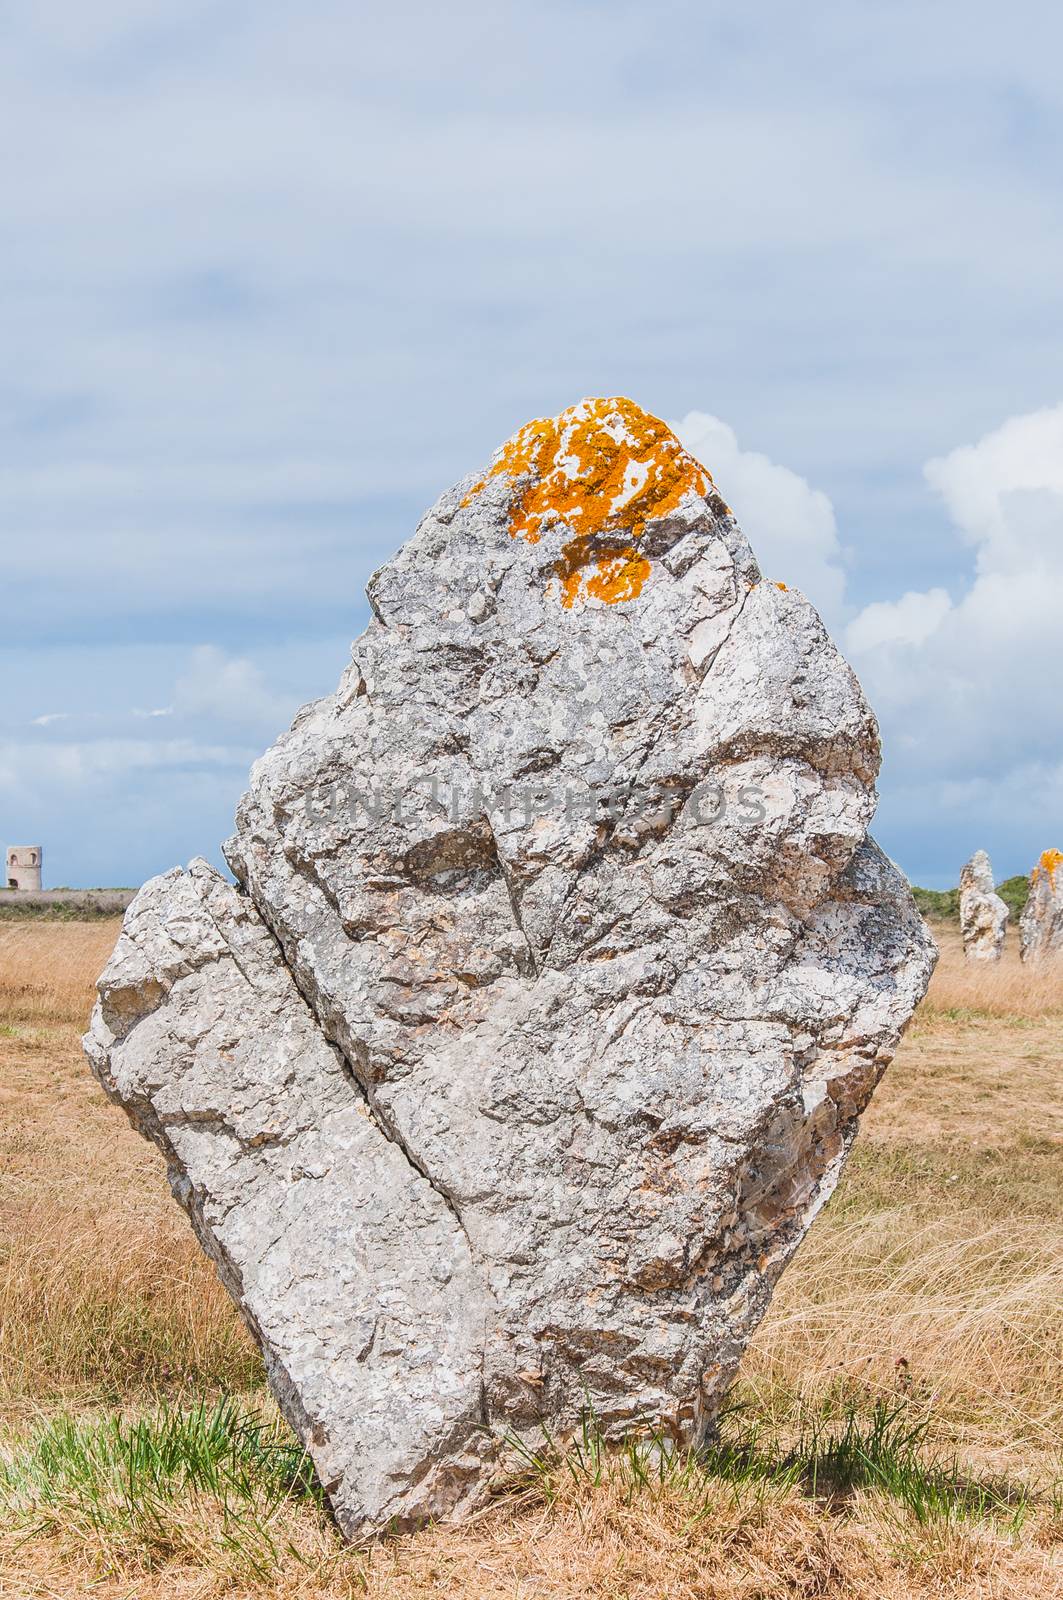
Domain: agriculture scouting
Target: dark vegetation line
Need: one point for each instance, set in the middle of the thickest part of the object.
(944, 904)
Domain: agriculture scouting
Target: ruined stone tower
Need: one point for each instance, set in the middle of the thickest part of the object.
(23, 866)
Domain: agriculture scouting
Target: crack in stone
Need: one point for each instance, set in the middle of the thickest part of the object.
(375, 1111)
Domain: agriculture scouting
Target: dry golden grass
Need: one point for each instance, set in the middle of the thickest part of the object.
(943, 1249)
(103, 1292)
(48, 969)
(591, 1544)
(936, 1270)
(1006, 989)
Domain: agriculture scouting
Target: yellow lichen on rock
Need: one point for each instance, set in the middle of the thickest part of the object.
(602, 467)
(1050, 860)
(616, 575)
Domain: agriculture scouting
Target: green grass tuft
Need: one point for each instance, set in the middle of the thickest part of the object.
(884, 1448)
(126, 1484)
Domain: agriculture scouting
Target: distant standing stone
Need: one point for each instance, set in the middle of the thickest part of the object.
(1041, 924)
(983, 914)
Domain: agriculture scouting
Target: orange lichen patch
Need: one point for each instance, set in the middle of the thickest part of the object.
(1050, 860)
(783, 587)
(619, 574)
(603, 467)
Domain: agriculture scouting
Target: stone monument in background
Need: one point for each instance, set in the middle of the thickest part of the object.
(983, 914)
(1041, 923)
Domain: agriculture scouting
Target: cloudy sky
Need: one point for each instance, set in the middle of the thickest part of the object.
(272, 276)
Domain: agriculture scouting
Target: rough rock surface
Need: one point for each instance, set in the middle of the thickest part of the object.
(352, 1271)
(561, 968)
(983, 914)
(1041, 923)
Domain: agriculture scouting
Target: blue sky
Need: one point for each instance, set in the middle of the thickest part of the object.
(273, 277)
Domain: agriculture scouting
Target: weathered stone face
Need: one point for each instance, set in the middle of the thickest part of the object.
(983, 914)
(1041, 923)
(565, 903)
(352, 1271)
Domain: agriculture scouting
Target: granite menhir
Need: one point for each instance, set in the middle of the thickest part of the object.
(558, 970)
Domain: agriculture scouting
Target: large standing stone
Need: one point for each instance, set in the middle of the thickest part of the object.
(1041, 923)
(983, 914)
(580, 968)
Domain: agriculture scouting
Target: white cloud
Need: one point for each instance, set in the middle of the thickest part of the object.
(118, 792)
(909, 620)
(336, 258)
(966, 684)
(82, 762)
(968, 689)
(229, 689)
(1004, 492)
(790, 525)
(49, 717)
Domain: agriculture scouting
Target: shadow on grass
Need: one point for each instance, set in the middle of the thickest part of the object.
(885, 1448)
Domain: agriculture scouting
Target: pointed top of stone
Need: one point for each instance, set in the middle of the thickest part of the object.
(1041, 925)
(983, 914)
(595, 478)
(978, 872)
(1048, 863)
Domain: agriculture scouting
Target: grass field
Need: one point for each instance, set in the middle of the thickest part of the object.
(897, 1430)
